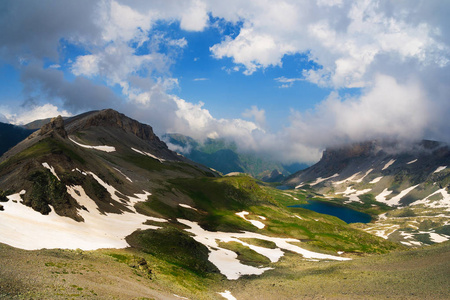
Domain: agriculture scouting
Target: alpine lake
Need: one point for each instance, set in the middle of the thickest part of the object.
(348, 215)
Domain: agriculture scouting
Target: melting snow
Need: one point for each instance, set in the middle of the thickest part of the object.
(367, 173)
(353, 194)
(101, 148)
(388, 164)
(291, 196)
(394, 201)
(376, 179)
(126, 177)
(28, 229)
(444, 202)
(161, 160)
(437, 238)
(441, 168)
(384, 231)
(411, 162)
(226, 260)
(382, 196)
(320, 179)
(46, 165)
(186, 206)
(258, 224)
(351, 178)
(227, 295)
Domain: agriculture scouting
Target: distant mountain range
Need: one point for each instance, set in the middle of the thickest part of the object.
(414, 178)
(176, 228)
(224, 156)
(10, 135)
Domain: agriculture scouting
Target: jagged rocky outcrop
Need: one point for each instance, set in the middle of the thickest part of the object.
(94, 151)
(56, 125)
(383, 169)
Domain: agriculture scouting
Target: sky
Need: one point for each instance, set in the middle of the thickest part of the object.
(282, 78)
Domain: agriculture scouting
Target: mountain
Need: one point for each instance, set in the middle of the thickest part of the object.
(103, 180)
(10, 135)
(37, 124)
(225, 157)
(410, 183)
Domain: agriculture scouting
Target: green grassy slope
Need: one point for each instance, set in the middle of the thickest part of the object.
(131, 274)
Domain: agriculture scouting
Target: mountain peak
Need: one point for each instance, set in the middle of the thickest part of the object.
(55, 125)
(113, 119)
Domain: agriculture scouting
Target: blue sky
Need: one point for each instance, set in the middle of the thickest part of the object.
(282, 78)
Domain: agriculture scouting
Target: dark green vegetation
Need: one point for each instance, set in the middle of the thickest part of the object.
(166, 261)
(219, 199)
(11, 135)
(46, 189)
(175, 247)
(225, 157)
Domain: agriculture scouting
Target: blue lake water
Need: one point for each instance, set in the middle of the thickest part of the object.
(346, 214)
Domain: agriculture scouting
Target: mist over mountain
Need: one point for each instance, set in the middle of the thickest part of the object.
(411, 178)
(225, 157)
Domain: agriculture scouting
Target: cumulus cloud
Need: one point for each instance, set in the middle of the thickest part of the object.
(396, 52)
(259, 115)
(77, 95)
(28, 114)
(346, 39)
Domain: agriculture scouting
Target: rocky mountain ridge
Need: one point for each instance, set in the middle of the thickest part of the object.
(412, 184)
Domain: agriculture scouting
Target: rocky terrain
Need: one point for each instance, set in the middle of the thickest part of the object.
(131, 212)
(407, 185)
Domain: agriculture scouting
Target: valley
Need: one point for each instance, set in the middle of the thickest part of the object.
(97, 201)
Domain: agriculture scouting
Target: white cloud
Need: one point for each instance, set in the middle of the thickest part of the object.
(195, 18)
(347, 40)
(27, 115)
(287, 82)
(397, 51)
(388, 109)
(259, 115)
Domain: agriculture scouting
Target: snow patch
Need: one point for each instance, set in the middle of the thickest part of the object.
(351, 178)
(320, 179)
(291, 196)
(383, 232)
(47, 166)
(227, 295)
(161, 160)
(361, 179)
(187, 206)
(226, 260)
(411, 162)
(439, 169)
(25, 228)
(258, 224)
(101, 148)
(442, 203)
(382, 196)
(389, 163)
(299, 185)
(394, 201)
(438, 238)
(353, 194)
(126, 177)
(376, 179)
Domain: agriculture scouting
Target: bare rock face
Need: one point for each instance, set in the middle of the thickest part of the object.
(112, 118)
(363, 149)
(55, 125)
